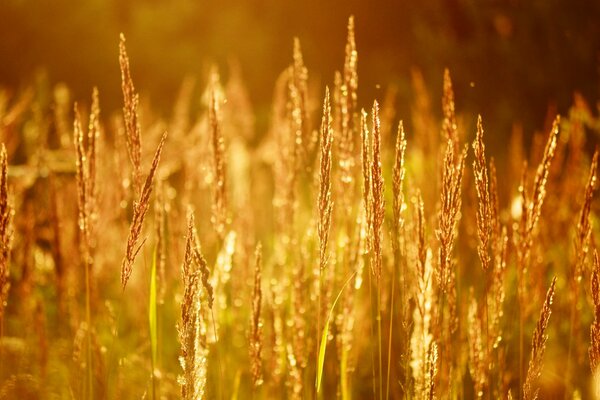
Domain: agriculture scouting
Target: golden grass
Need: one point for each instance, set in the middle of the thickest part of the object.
(419, 275)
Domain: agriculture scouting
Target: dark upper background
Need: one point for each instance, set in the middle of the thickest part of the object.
(510, 59)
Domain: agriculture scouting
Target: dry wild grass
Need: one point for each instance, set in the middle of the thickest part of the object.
(388, 268)
(5, 233)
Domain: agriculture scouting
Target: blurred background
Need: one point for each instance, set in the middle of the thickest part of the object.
(510, 59)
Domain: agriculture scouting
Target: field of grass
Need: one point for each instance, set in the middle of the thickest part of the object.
(334, 256)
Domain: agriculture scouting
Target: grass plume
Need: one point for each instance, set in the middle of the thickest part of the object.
(140, 208)
(538, 343)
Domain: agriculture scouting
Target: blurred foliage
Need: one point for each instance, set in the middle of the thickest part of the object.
(510, 59)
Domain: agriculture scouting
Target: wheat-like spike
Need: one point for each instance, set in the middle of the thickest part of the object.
(584, 227)
(377, 199)
(92, 154)
(192, 328)
(420, 231)
(531, 208)
(522, 239)
(205, 273)
(449, 211)
(130, 117)
(219, 216)
(581, 247)
(432, 369)
(538, 343)
(345, 100)
(190, 243)
(484, 217)
(366, 171)
(200, 261)
(83, 181)
(85, 158)
(541, 176)
(495, 307)
(324, 208)
(256, 321)
(594, 350)
(284, 164)
(449, 126)
(399, 206)
(140, 209)
(350, 67)
(298, 92)
(325, 202)
(6, 215)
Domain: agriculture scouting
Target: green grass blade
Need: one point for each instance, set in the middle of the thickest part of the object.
(323, 345)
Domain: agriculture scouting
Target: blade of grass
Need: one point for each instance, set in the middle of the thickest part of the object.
(323, 344)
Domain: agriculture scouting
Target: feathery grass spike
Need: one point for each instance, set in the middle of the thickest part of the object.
(6, 214)
(325, 202)
(140, 208)
(130, 116)
(377, 198)
(594, 349)
(538, 343)
(256, 340)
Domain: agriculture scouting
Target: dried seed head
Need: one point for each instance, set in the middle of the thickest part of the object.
(377, 199)
(6, 215)
(594, 350)
(366, 171)
(193, 326)
(449, 212)
(449, 126)
(140, 208)
(220, 206)
(538, 343)
(131, 118)
(256, 322)
(584, 227)
(325, 202)
(484, 217)
(399, 171)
